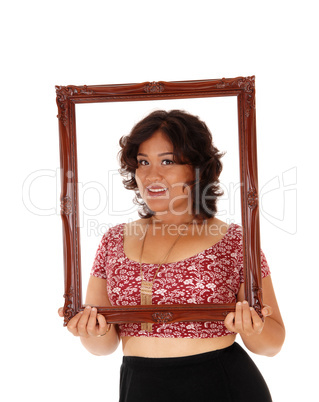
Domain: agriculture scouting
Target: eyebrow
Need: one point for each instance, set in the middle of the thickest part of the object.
(162, 154)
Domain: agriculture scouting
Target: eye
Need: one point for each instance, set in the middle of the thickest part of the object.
(167, 162)
(142, 162)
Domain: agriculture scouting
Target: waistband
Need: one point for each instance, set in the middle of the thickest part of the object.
(148, 362)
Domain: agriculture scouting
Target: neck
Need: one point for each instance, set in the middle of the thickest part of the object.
(167, 219)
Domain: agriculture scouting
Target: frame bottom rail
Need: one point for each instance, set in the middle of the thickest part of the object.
(160, 314)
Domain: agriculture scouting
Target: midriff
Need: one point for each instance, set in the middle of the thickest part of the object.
(172, 347)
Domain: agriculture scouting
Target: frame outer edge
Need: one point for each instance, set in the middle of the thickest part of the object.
(67, 97)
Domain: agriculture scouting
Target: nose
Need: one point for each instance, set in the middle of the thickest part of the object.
(153, 174)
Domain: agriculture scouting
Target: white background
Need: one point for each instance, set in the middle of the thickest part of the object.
(44, 44)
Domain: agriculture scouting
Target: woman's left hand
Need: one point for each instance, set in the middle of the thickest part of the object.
(245, 320)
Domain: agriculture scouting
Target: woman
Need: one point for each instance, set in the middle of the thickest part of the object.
(178, 252)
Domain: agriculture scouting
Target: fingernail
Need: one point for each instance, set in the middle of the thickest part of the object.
(239, 304)
(93, 309)
(245, 302)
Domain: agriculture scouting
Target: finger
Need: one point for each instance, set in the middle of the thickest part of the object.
(73, 324)
(229, 322)
(266, 311)
(104, 327)
(258, 323)
(247, 319)
(82, 325)
(92, 323)
(239, 318)
(60, 311)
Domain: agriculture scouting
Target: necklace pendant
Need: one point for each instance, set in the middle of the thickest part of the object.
(146, 299)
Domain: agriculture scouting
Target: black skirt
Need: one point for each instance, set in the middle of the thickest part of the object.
(225, 375)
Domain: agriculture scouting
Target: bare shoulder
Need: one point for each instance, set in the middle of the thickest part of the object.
(217, 227)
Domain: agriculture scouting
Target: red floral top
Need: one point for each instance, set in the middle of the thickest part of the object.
(211, 276)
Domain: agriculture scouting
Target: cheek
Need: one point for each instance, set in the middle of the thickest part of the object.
(189, 180)
(138, 180)
(189, 175)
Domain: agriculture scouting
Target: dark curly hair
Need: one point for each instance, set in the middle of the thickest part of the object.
(193, 145)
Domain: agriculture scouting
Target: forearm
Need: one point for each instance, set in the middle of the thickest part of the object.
(103, 345)
(269, 341)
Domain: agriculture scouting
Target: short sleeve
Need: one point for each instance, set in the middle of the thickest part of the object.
(265, 271)
(100, 261)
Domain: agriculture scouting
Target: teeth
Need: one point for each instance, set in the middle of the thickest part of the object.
(157, 190)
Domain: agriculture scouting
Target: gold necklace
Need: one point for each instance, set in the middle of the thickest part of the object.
(147, 286)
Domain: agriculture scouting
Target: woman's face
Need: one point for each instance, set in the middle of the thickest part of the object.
(162, 183)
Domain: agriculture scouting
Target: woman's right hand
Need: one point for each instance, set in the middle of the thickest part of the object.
(87, 323)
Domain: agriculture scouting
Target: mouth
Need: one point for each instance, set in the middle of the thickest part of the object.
(156, 191)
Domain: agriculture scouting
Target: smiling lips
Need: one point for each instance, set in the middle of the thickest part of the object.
(156, 191)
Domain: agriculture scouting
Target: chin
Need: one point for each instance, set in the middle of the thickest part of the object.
(156, 209)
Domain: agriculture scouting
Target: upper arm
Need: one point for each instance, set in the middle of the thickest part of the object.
(96, 294)
(269, 298)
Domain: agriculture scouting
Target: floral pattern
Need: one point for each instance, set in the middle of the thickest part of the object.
(211, 276)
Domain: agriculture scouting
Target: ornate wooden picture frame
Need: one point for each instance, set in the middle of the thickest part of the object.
(67, 97)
